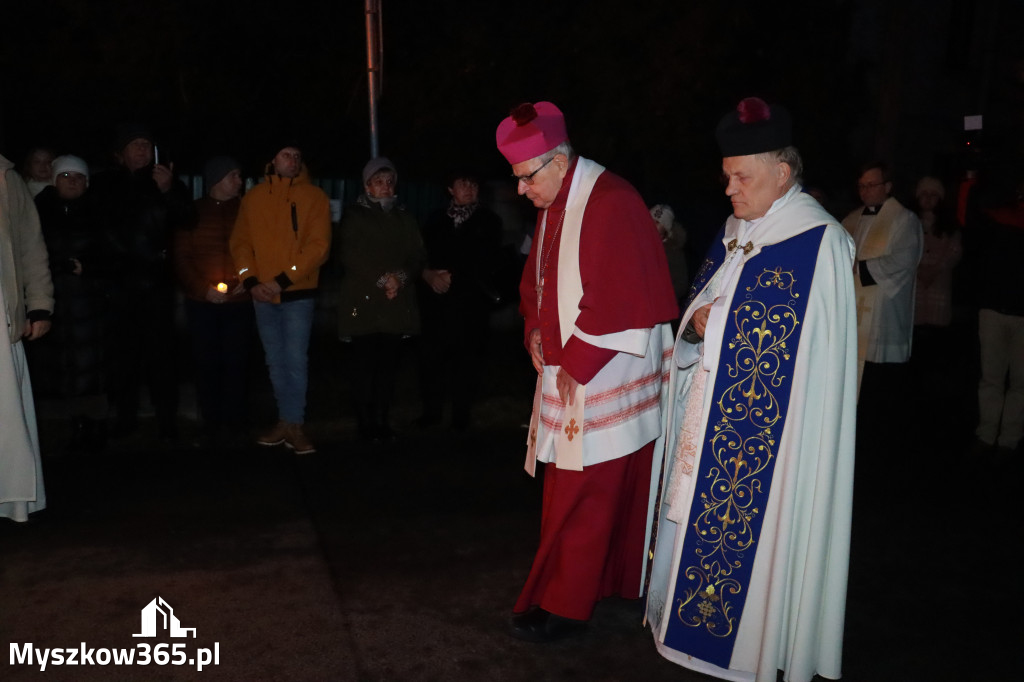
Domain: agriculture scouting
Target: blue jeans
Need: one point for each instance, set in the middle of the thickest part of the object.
(284, 330)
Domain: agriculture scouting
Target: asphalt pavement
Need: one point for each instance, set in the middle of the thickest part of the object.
(401, 561)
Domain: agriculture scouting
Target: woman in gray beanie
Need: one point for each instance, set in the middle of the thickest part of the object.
(382, 256)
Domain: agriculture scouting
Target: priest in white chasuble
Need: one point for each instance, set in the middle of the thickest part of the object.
(751, 543)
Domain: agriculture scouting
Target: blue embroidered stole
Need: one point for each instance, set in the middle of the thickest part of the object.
(745, 425)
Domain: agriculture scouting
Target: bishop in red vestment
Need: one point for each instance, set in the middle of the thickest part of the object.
(597, 300)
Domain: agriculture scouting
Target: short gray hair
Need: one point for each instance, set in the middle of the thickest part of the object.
(788, 155)
(562, 148)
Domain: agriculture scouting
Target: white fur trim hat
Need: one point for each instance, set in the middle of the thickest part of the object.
(664, 216)
(69, 164)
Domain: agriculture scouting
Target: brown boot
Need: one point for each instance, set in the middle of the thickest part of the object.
(275, 436)
(297, 440)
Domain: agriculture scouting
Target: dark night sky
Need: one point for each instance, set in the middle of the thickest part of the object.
(642, 84)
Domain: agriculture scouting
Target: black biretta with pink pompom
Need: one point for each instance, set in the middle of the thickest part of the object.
(754, 127)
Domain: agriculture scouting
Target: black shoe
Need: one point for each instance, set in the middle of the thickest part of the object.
(538, 625)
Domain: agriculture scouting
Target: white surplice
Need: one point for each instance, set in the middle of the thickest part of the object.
(890, 243)
(621, 406)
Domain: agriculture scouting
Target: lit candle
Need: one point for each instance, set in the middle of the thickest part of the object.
(222, 288)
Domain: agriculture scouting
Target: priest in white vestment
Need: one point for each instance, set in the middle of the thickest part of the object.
(890, 242)
(751, 546)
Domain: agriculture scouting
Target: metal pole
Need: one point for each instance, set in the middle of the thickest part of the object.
(374, 51)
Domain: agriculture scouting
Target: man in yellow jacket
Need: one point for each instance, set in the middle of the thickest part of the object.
(281, 238)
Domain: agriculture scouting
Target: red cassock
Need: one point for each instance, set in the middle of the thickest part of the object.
(593, 521)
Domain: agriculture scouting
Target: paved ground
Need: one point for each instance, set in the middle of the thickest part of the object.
(402, 562)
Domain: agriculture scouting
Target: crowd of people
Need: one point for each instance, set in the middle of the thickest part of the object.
(98, 262)
(698, 431)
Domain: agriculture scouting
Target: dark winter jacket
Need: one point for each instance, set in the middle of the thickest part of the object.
(69, 361)
(141, 221)
(374, 244)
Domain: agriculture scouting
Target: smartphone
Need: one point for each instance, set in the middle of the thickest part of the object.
(156, 155)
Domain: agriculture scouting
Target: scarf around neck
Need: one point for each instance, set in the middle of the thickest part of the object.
(385, 204)
(460, 213)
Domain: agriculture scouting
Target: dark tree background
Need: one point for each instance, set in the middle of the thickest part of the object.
(642, 84)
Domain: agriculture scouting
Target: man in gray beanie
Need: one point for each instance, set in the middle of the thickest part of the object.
(218, 309)
(216, 169)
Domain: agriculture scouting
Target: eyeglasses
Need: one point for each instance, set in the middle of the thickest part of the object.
(869, 185)
(71, 176)
(528, 178)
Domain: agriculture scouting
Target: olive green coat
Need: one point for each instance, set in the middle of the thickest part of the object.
(375, 243)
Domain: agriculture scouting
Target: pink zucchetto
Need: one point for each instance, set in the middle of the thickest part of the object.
(530, 131)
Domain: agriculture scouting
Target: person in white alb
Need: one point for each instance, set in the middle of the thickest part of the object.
(889, 243)
(26, 302)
